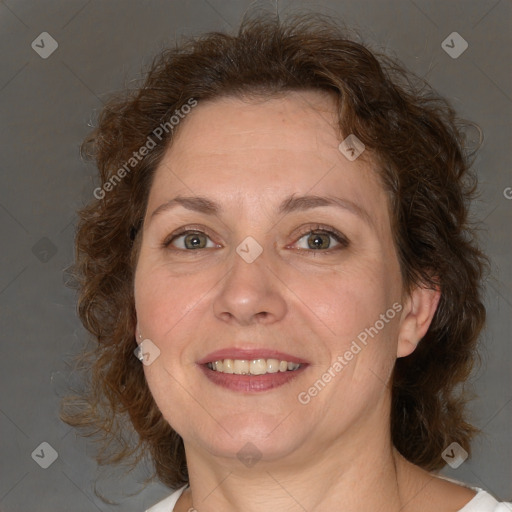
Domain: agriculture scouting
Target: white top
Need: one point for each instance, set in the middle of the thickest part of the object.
(482, 502)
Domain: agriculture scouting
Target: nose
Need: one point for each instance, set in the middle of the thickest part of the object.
(250, 293)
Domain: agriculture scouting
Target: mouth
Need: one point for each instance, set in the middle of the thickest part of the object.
(251, 370)
(253, 367)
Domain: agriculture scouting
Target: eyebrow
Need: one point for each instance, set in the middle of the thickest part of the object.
(291, 204)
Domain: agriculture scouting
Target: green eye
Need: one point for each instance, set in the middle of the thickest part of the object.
(191, 240)
(322, 240)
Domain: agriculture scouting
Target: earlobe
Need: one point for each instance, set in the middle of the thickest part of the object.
(417, 316)
(138, 335)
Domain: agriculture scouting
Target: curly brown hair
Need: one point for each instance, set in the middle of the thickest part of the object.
(418, 144)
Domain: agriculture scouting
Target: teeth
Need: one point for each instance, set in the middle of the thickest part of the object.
(240, 366)
(258, 367)
(273, 365)
(253, 367)
(228, 366)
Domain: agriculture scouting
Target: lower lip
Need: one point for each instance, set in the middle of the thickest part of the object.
(251, 383)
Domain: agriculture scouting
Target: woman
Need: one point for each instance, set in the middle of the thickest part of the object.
(281, 234)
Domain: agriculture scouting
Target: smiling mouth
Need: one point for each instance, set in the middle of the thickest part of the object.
(253, 366)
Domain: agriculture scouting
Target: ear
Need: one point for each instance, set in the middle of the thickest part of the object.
(419, 309)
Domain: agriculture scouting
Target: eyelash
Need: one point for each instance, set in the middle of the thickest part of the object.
(318, 229)
(324, 230)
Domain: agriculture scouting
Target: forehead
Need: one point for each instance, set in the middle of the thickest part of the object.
(298, 116)
(298, 122)
(247, 150)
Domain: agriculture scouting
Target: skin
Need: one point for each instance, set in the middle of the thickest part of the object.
(248, 156)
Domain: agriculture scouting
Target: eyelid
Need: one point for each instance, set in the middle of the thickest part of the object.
(342, 240)
(184, 231)
(329, 230)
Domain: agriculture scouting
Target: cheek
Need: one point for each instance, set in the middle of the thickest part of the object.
(163, 299)
(347, 300)
(167, 307)
(357, 307)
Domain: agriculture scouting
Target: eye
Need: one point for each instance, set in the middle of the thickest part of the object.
(321, 239)
(190, 240)
(318, 239)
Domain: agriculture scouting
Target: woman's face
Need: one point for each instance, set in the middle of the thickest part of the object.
(268, 273)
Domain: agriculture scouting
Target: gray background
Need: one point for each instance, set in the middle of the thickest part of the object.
(46, 106)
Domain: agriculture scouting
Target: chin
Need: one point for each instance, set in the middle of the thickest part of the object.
(250, 436)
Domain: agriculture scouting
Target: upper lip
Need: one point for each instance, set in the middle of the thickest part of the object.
(249, 354)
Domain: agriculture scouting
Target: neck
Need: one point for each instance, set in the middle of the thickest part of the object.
(362, 474)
